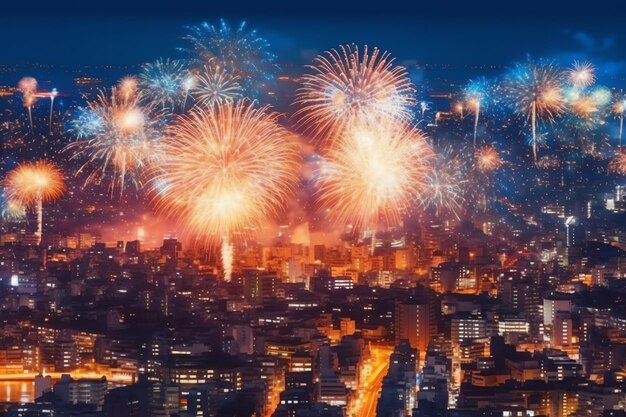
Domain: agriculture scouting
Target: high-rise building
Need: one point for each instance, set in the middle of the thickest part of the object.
(574, 232)
(413, 323)
(562, 329)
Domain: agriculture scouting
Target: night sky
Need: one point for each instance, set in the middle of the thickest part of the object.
(454, 32)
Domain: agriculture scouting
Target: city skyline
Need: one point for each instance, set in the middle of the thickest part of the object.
(312, 210)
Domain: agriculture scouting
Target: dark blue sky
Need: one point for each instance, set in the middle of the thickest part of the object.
(455, 32)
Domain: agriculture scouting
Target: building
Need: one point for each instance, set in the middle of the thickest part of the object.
(413, 323)
(467, 327)
(81, 391)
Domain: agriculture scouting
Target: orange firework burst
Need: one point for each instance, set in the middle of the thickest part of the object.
(488, 159)
(226, 168)
(347, 87)
(375, 173)
(32, 184)
(584, 106)
(618, 163)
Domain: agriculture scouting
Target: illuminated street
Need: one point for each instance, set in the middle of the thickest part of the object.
(370, 386)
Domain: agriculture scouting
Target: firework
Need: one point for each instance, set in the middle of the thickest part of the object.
(488, 159)
(618, 108)
(215, 85)
(602, 96)
(475, 94)
(53, 94)
(226, 168)
(163, 82)
(445, 184)
(423, 108)
(582, 74)
(188, 83)
(584, 106)
(374, 174)
(127, 88)
(33, 184)
(11, 209)
(618, 163)
(534, 90)
(348, 87)
(239, 51)
(117, 139)
(28, 87)
(459, 108)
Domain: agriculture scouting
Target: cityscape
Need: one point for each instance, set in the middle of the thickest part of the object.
(248, 212)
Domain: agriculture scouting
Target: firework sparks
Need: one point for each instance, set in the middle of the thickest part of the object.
(226, 168)
(128, 88)
(618, 163)
(488, 159)
(239, 51)
(374, 173)
(445, 185)
(582, 74)
(214, 85)
(33, 184)
(163, 82)
(117, 137)
(348, 87)
(11, 209)
(584, 106)
(28, 87)
(534, 90)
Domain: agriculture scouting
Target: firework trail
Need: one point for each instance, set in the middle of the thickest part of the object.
(28, 87)
(53, 94)
(374, 174)
(214, 85)
(618, 109)
(117, 138)
(535, 91)
(348, 87)
(423, 108)
(241, 52)
(475, 94)
(32, 184)
(225, 168)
